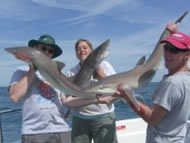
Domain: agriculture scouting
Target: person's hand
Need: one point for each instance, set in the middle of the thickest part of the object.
(99, 70)
(103, 99)
(172, 27)
(120, 91)
(22, 57)
(99, 73)
(32, 68)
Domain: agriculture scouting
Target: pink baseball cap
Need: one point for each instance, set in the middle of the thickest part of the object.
(179, 40)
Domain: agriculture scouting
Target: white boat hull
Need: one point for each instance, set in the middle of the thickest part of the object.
(131, 130)
(134, 131)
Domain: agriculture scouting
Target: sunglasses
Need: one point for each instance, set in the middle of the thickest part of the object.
(173, 49)
(49, 50)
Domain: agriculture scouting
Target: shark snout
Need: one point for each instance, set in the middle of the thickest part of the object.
(10, 50)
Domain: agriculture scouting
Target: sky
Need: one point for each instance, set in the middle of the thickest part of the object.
(133, 27)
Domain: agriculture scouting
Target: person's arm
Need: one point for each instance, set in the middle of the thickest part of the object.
(151, 115)
(105, 69)
(74, 102)
(156, 113)
(99, 73)
(18, 90)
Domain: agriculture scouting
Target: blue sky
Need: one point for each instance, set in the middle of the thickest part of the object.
(133, 26)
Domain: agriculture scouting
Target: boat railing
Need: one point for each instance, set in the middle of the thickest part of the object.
(2, 112)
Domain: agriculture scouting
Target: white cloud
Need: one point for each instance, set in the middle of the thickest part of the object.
(139, 12)
(98, 6)
(141, 43)
(21, 10)
(87, 8)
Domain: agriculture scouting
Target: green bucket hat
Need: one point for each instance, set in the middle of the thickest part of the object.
(47, 40)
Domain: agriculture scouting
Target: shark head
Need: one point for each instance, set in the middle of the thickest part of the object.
(23, 53)
(100, 53)
(103, 51)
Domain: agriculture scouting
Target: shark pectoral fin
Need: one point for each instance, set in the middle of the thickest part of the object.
(141, 61)
(146, 77)
(131, 96)
(60, 65)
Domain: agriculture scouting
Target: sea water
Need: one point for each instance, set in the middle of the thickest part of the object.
(11, 122)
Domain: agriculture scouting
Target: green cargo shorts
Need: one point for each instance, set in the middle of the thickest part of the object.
(101, 129)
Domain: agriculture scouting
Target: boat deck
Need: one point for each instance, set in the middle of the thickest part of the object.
(130, 130)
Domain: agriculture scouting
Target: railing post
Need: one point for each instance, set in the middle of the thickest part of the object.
(4, 111)
(1, 131)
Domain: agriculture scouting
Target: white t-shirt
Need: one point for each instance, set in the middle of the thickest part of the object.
(93, 110)
(173, 94)
(42, 109)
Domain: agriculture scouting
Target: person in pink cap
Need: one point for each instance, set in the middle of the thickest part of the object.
(171, 100)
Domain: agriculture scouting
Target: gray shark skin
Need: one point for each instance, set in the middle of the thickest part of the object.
(135, 78)
(49, 69)
(92, 62)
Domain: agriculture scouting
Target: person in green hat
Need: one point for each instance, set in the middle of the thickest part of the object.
(42, 108)
(46, 44)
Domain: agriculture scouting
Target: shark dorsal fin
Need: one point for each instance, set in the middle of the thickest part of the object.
(146, 77)
(141, 61)
(60, 65)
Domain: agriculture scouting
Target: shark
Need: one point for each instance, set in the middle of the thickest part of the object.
(135, 78)
(51, 70)
(81, 79)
